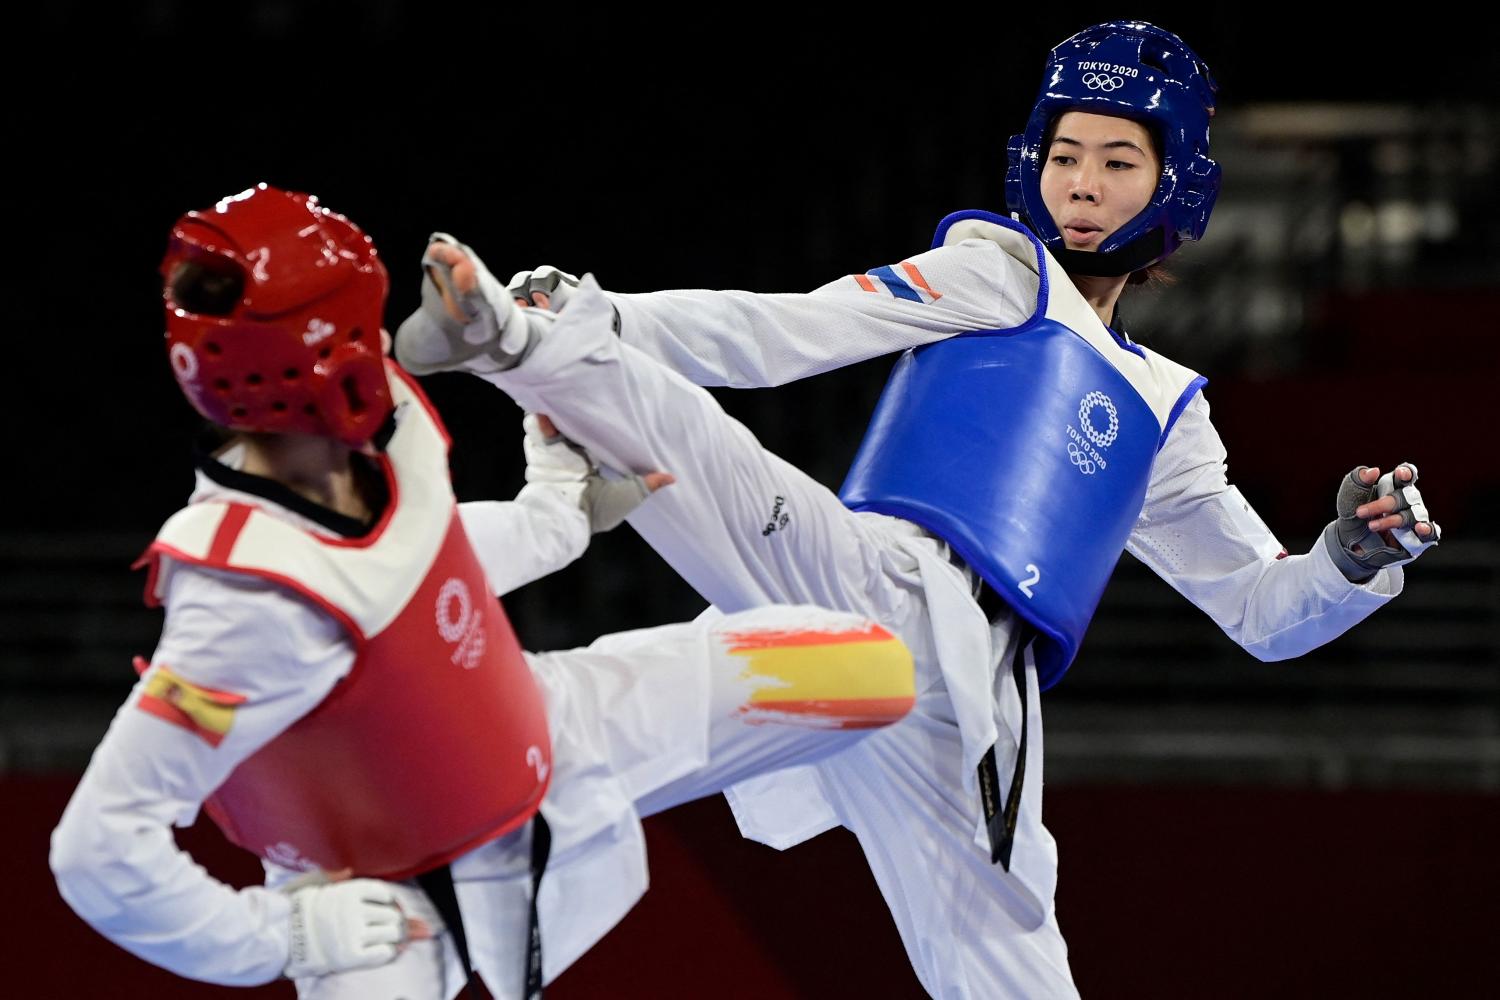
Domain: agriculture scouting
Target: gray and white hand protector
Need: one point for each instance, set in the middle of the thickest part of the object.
(560, 462)
(557, 285)
(1359, 552)
(494, 336)
(339, 926)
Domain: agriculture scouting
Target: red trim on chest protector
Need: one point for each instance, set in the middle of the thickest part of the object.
(229, 533)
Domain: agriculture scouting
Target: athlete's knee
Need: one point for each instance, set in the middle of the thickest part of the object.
(814, 668)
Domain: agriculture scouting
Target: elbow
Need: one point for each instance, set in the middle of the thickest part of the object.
(80, 861)
(69, 859)
(64, 859)
(69, 854)
(1267, 647)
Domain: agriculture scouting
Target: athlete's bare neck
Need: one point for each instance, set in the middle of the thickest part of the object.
(316, 468)
(1101, 293)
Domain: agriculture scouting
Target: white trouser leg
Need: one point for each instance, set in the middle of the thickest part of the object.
(971, 930)
(742, 526)
(674, 707)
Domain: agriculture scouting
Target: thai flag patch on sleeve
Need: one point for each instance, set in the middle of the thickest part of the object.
(903, 281)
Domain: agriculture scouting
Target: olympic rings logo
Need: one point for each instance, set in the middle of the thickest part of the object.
(1103, 81)
(184, 362)
(1086, 407)
(454, 591)
(1078, 457)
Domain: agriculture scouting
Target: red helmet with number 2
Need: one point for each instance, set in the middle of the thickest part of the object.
(298, 348)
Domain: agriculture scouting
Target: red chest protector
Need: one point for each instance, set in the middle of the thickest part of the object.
(436, 741)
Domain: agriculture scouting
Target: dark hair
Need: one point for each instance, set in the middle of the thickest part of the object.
(1158, 275)
(206, 289)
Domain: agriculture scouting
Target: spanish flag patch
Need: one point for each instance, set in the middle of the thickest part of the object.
(202, 711)
(857, 678)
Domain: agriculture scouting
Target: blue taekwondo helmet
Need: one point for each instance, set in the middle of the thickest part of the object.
(1129, 69)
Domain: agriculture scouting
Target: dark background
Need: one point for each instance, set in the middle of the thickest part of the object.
(774, 150)
(771, 152)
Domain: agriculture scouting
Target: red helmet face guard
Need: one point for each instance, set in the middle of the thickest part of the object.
(299, 350)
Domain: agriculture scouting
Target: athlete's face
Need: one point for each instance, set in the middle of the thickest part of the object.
(1100, 173)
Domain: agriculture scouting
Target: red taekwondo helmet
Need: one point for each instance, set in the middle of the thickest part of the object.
(292, 341)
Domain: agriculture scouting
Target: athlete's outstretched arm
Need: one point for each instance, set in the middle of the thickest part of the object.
(748, 339)
(1199, 534)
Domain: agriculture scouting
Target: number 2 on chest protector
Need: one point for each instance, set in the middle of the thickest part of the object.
(1036, 576)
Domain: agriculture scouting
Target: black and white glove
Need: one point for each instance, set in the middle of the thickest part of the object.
(494, 335)
(556, 461)
(354, 924)
(557, 287)
(549, 288)
(1359, 552)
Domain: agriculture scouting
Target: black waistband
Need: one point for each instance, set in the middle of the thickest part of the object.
(438, 884)
(1002, 812)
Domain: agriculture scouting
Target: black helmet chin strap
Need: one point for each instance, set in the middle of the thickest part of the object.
(1142, 253)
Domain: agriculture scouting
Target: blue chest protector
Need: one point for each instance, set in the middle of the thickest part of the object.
(1028, 451)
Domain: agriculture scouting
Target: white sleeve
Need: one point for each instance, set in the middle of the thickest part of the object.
(1199, 534)
(745, 339)
(518, 541)
(225, 638)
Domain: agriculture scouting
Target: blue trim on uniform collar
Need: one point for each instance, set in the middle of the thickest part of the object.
(1127, 343)
(1044, 287)
(1193, 388)
(951, 218)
